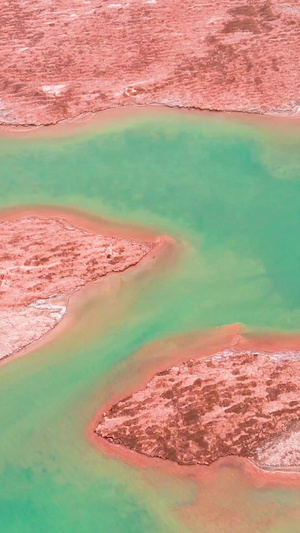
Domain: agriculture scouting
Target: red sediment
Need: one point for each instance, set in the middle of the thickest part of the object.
(66, 59)
(44, 260)
(235, 395)
(99, 121)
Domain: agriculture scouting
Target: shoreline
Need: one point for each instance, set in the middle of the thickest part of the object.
(164, 246)
(100, 120)
(176, 351)
(81, 219)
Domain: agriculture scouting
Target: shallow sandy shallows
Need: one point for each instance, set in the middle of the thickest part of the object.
(236, 399)
(44, 260)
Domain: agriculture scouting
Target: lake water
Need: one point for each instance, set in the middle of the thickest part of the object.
(229, 193)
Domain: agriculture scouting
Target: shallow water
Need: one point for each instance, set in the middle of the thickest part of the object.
(230, 194)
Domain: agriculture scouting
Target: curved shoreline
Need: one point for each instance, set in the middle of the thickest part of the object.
(161, 247)
(81, 219)
(172, 350)
(101, 120)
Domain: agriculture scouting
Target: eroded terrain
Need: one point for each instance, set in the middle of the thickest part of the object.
(44, 260)
(60, 59)
(235, 402)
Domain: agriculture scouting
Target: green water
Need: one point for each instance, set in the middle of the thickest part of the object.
(230, 193)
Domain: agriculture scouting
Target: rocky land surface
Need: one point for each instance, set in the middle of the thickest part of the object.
(43, 261)
(62, 58)
(235, 402)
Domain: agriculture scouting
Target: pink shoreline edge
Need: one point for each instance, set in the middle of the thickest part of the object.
(163, 245)
(100, 120)
(186, 349)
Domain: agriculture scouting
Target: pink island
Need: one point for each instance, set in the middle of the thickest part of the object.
(226, 395)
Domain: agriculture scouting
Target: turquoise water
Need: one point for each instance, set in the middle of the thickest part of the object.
(230, 194)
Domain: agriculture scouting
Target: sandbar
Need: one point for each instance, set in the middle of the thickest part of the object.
(266, 450)
(50, 255)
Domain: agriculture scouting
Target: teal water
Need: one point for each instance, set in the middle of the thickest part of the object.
(230, 193)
